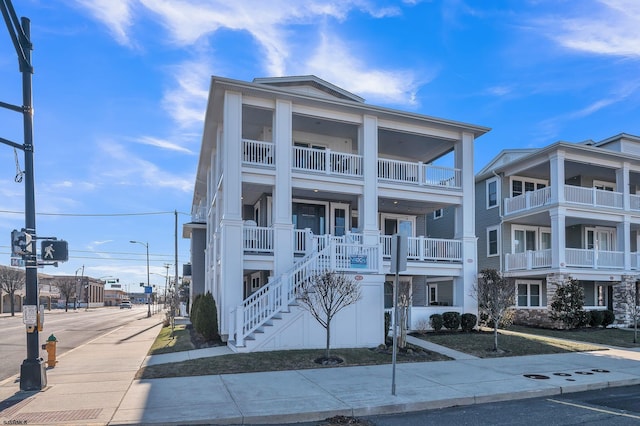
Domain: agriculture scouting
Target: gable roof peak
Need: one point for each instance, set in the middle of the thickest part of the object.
(302, 82)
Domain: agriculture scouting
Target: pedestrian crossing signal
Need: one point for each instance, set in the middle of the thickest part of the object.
(54, 250)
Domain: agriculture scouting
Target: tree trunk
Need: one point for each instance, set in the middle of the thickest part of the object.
(495, 337)
(66, 304)
(12, 296)
(326, 353)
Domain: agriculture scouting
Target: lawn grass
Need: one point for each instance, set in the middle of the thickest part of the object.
(601, 336)
(167, 343)
(480, 344)
(280, 361)
(515, 341)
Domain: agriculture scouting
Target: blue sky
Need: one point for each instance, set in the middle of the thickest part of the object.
(120, 88)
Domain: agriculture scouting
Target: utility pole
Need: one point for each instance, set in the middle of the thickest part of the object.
(32, 372)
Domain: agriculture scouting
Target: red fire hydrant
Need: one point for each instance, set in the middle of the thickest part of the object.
(50, 346)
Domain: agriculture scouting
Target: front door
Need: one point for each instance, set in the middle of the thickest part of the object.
(310, 216)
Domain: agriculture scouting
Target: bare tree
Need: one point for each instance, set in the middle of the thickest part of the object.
(404, 302)
(326, 294)
(11, 280)
(67, 287)
(632, 298)
(495, 295)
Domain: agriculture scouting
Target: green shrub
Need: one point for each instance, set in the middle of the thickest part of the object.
(436, 322)
(451, 320)
(207, 318)
(567, 305)
(193, 312)
(608, 318)
(468, 321)
(387, 324)
(596, 318)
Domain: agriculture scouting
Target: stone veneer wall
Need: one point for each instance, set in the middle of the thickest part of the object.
(539, 317)
(621, 292)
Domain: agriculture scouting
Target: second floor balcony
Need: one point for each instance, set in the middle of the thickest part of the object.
(574, 258)
(260, 240)
(577, 195)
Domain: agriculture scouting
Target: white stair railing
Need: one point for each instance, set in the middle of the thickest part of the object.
(276, 296)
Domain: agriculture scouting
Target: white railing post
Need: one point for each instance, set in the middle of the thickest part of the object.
(328, 167)
(421, 173)
(239, 325)
(529, 259)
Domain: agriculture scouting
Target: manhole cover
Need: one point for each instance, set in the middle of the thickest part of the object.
(584, 373)
(600, 370)
(562, 374)
(536, 376)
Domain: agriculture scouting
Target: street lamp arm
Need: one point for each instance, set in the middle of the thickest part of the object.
(17, 34)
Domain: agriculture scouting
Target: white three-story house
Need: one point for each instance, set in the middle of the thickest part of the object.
(297, 176)
(565, 211)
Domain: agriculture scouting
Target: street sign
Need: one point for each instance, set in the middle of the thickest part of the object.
(147, 289)
(17, 261)
(30, 314)
(54, 250)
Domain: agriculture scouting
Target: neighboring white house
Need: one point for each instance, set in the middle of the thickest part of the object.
(565, 211)
(297, 176)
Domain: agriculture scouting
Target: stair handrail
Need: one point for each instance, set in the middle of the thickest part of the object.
(267, 302)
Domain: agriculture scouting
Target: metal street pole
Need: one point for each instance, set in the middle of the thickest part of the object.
(32, 373)
(148, 279)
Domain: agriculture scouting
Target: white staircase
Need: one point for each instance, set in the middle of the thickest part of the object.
(254, 320)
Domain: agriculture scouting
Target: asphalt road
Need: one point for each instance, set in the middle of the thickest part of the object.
(619, 406)
(71, 329)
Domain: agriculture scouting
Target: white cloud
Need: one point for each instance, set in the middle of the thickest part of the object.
(334, 62)
(164, 144)
(131, 169)
(186, 101)
(613, 29)
(116, 15)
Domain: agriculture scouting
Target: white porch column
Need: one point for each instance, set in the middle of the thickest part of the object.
(282, 225)
(368, 202)
(623, 231)
(465, 228)
(622, 185)
(231, 218)
(556, 168)
(558, 238)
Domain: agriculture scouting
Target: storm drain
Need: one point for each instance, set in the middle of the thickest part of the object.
(582, 373)
(536, 376)
(57, 416)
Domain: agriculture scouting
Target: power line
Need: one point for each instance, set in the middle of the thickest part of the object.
(98, 214)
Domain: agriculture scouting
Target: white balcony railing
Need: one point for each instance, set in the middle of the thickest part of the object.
(427, 249)
(574, 258)
(257, 239)
(593, 197)
(584, 258)
(528, 200)
(531, 259)
(418, 173)
(326, 161)
(258, 153)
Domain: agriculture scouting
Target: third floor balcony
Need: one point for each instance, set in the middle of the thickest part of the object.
(327, 162)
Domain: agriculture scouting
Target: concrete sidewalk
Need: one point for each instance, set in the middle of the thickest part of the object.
(95, 384)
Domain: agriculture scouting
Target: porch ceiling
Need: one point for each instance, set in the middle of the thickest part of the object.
(391, 143)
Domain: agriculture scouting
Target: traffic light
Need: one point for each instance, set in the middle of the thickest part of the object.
(21, 243)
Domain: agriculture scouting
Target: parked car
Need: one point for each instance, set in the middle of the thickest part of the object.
(125, 304)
